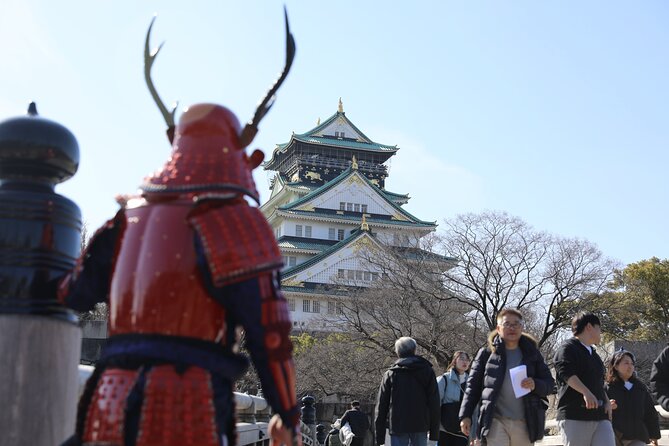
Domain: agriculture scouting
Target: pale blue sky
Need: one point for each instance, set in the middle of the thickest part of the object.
(556, 112)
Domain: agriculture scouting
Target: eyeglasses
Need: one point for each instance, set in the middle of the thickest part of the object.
(515, 325)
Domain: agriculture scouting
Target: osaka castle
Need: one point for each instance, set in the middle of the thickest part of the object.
(328, 199)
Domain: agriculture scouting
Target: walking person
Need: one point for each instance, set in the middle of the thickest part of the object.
(408, 399)
(635, 421)
(584, 409)
(659, 379)
(504, 418)
(451, 387)
(332, 438)
(358, 422)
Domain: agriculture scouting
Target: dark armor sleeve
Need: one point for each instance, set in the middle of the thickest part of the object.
(88, 283)
(258, 306)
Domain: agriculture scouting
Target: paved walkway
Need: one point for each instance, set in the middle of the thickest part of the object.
(555, 440)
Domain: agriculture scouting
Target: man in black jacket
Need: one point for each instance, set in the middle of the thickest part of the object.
(659, 379)
(408, 401)
(358, 422)
(584, 409)
(506, 418)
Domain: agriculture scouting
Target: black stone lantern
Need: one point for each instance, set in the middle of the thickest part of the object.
(40, 231)
(308, 410)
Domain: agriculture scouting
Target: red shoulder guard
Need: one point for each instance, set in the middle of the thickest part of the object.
(238, 242)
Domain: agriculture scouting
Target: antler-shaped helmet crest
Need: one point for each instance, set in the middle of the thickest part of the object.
(208, 146)
(264, 106)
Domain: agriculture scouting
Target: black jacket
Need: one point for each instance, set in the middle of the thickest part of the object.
(485, 381)
(357, 420)
(659, 378)
(408, 399)
(636, 417)
(573, 358)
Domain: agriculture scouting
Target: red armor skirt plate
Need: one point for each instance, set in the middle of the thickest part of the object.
(177, 409)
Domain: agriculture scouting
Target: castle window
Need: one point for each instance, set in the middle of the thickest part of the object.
(332, 233)
(341, 273)
(331, 307)
(358, 275)
(363, 208)
(357, 207)
(291, 304)
(306, 306)
(307, 231)
(350, 274)
(292, 260)
(342, 206)
(316, 307)
(340, 234)
(298, 230)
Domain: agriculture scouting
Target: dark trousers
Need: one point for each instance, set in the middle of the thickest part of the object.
(358, 441)
(447, 439)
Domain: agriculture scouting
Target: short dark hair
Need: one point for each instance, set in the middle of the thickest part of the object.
(512, 311)
(581, 319)
(355, 403)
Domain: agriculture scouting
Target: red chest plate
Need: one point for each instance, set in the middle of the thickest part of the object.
(156, 286)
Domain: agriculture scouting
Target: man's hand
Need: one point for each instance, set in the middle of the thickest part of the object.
(614, 404)
(653, 441)
(281, 435)
(608, 408)
(527, 383)
(465, 425)
(590, 400)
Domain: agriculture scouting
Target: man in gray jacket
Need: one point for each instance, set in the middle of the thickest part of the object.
(408, 401)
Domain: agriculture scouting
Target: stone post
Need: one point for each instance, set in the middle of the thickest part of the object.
(309, 415)
(40, 233)
(320, 433)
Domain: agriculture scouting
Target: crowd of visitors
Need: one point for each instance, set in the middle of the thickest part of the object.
(500, 398)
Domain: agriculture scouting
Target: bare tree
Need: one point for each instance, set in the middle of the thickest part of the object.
(340, 363)
(504, 262)
(408, 299)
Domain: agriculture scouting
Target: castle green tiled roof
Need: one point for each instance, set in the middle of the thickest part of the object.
(354, 217)
(318, 257)
(341, 177)
(345, 143)
(312, 137)
(319, 288)
(308, 187)
(304, 243)
(417, 254)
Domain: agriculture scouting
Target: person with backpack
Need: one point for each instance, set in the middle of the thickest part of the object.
(451, 387)
(358, 422)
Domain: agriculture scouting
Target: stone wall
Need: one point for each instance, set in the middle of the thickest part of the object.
(94, 337)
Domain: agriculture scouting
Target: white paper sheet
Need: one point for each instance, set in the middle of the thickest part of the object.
(518, 374)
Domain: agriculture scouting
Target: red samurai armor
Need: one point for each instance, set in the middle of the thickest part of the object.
(182, 266)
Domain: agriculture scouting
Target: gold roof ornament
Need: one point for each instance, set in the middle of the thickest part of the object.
(341, 106)
(363, 225)
(319, 121)
(354, 163)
